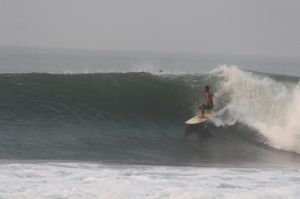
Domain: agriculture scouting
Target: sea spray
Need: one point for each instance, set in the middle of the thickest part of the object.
(270, 106)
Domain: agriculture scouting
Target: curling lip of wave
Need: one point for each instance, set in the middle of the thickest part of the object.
(271, 106)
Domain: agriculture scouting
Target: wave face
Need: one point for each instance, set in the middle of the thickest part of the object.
(138, 118)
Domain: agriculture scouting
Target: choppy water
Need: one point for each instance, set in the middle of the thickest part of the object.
(82, 180)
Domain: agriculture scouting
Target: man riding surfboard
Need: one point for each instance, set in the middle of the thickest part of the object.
(209, 102)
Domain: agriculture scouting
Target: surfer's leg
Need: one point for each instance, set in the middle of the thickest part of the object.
(202, 108)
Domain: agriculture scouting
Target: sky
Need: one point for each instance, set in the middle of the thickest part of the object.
(255, 27)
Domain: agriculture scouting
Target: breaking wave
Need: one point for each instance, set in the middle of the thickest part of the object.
(139, 117)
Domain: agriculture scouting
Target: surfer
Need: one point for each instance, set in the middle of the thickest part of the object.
(209, 102)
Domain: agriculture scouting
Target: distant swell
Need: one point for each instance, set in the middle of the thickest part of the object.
(128, 117)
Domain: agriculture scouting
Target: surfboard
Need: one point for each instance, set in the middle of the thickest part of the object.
(198, 119)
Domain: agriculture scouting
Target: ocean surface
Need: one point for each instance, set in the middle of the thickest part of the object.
(99, 124)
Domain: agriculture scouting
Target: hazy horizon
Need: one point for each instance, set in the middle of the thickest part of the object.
(58, 60)
(266, 28)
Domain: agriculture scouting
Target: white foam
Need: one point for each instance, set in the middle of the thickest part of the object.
(82, 180)
(271, 107)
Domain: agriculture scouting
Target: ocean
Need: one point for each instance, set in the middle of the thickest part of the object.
(104, 124)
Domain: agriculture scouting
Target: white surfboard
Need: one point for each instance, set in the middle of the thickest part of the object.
(198, 119)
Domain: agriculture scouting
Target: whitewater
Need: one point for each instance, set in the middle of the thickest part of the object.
(120, 132)
(85, 180)
(272, 107)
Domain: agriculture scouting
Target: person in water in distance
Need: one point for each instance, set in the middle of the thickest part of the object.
(209, 101)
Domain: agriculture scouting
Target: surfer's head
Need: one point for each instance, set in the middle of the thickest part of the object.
(206, 88)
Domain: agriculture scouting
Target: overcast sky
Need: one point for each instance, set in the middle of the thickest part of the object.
(263, 27)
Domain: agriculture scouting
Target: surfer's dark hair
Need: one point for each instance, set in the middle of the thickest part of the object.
(207, 87)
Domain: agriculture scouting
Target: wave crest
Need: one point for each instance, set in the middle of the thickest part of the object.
(270, 106)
